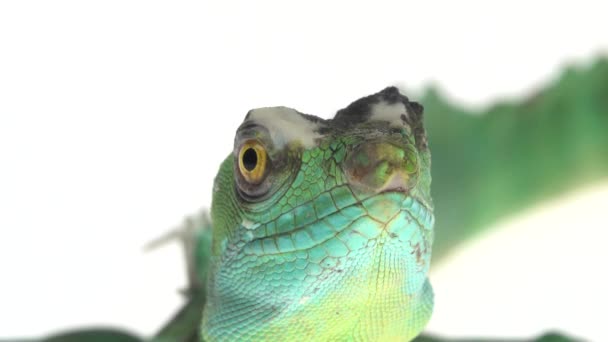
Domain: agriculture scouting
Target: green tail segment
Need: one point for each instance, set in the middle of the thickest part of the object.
(493, 163)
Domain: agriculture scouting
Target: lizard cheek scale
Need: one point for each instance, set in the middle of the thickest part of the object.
(331, 239)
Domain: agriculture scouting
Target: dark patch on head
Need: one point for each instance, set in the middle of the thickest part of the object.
(312, 118)
(360, 111)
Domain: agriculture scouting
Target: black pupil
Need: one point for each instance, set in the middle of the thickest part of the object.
(250, 159)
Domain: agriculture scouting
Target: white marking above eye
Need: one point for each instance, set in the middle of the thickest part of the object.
(286, 125)
(391, 113)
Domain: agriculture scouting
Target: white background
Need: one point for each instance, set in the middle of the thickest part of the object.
(114, 116)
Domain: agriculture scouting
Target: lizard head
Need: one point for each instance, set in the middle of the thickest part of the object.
(323, 227)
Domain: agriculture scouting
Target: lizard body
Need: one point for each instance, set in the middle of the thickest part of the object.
(377, 291)
(480, 165)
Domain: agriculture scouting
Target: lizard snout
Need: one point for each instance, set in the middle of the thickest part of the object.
(382, 166)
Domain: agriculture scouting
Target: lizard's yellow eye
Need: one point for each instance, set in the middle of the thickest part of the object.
(252, 161)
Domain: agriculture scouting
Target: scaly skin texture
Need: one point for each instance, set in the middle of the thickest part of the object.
(335, 242)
